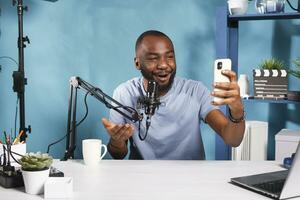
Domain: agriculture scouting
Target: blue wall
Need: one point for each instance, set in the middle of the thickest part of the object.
(94, 39)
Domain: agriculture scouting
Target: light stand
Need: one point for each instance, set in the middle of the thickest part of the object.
(19, 80)
(78, 83)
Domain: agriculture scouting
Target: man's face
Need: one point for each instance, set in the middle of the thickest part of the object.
(156, 60)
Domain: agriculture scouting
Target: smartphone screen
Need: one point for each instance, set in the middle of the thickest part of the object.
(219, 65)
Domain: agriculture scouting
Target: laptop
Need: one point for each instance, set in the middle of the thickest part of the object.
(282, 184)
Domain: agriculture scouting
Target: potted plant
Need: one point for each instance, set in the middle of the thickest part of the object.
(296, 73)
(295, 95)
(35, 171)
(270, 81)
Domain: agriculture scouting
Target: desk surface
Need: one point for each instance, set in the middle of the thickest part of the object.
(128, 179)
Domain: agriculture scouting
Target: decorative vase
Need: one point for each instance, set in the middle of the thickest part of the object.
(269, 6)
(243, 83)
(34, 181)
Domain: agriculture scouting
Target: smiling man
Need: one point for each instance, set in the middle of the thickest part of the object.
(175, 132)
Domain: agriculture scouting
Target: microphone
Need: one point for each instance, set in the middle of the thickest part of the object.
(150, 103)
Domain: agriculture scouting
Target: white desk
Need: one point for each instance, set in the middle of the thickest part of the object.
(127, 179)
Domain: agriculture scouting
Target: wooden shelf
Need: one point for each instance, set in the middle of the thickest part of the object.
(269, 16)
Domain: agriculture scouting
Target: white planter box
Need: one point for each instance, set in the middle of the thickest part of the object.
(59, 188)
(287, 141)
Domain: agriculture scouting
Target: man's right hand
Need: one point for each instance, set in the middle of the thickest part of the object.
(118, 132)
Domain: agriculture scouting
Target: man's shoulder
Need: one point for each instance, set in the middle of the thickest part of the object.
(188, 83)
(129, 85)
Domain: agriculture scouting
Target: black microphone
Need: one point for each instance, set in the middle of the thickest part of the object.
(150, 103)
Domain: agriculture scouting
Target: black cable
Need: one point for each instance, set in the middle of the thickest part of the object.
(4, 155)
(86, 114)
(48, 148)
(143, 138)
(10, 58)
(16, 115)
(147, 128)
(292, 7)
(140, 131)
(13, 60)
(11, 153)
(86, 110)
(8, 153)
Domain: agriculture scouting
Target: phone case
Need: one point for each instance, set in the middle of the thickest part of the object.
(219, 65)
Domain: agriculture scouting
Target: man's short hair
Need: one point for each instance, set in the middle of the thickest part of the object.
(149, 33)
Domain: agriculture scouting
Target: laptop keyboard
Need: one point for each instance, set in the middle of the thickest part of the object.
(274, 187)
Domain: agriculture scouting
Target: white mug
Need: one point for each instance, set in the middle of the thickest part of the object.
(91, 150)
(243, 83)
(237, 7)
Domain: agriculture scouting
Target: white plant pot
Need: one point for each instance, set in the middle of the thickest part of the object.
(34, 181)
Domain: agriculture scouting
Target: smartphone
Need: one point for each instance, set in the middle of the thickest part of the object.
(221, 64)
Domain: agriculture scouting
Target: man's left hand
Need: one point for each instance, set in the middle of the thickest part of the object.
(229, 93)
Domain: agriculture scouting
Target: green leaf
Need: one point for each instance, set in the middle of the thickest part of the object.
(35, 161)
(273, 63)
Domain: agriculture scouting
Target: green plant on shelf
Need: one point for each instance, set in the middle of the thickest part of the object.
(273, 63)
(296, 73)
(35, 161)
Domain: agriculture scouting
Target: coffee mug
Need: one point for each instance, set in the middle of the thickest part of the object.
(237, 7)
(91, 151)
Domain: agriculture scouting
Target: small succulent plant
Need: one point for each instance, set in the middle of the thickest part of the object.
(35, 161)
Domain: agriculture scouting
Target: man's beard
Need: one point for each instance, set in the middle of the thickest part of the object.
(161, 88)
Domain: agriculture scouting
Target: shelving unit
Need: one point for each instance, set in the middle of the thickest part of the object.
(227, 47)
(270, 101)
(249, 17)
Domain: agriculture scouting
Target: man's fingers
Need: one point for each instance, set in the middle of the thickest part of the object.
(218, 103)
(126, 131)
(106, 123)
(112, 128)
(225, 93)
(230, 74)
(129, 131)
(118, 131)
(226, 86)
(127, 134)
(222, 102)
(122, 131)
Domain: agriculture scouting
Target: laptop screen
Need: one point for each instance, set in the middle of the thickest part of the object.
(291, 185)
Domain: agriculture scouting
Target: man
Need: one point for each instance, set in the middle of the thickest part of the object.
(175, 127)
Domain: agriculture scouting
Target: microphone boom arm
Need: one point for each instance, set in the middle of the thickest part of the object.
(132, 114)
(109, 102)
